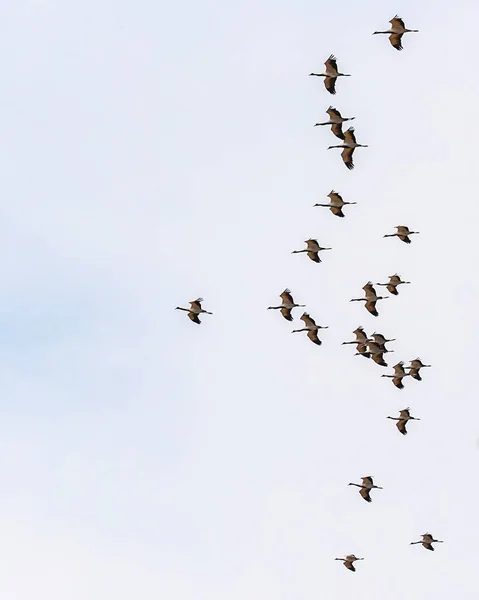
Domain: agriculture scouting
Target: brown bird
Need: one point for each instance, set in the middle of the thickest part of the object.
(287, 305)
(336, 204)
(336, 121)
(427, 541)
(370, 298)
(366, 486)
(399, 374)
(361, 346)
(404, 417)
(380, 340)
(349, 145)
(349, 560)
(402, 233)
(313, 249)
(194, 310)
(330, 74)
(311, 328)
(392, 284)
(414, 368)
(396, 31)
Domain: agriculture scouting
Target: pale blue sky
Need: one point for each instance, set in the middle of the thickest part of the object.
(153, 153)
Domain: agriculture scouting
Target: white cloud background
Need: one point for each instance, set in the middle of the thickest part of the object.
(154, 153)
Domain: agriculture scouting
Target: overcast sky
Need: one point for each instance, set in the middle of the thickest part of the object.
(156, 152)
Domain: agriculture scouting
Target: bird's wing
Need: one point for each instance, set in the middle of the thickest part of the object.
(347, 156)
(313, 336)
(399, 369)
(336, 199)
(401, 425)
(402, 230)
(371, 307)
(196, 304)
(336, 210)
(367, 480)
(404, 238)
(395, 39)
(379, 338)
(398, 382)
(428, 546)
(312, 245)
(369, 288)
(331, 64)
(333, 112)
(404, 413)
(360, 333)
(337, 129)
(415, 374)
(392, 289)
(330, 84)
(365, 494)
(314, 256)
(194, 317)
(397, 22)
(349, 565)
(379, 360)
(362, 348)
(307, 320)
(286, 312)
(287, 297)
(394, 279)
(349, 136)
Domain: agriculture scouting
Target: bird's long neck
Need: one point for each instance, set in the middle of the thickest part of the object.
(341, 146)
(376, 32)
(317, 75)
(299, 251)
(393, 418)
(274, 307)
(185, 309)
(356, 484)
(298, 330)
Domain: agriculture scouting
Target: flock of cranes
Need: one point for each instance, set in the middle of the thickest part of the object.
(370, 347)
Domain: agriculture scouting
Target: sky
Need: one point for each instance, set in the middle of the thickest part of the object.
(156, 152)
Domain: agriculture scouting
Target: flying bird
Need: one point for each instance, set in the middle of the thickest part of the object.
(404, 417)
(360, 341)
(349, 560)
(399, 375)
(427, 541)
(330, 74)
(370, 298)
(392, 284)
(396, 31)
(415, 366)
(366, 486)
(336, 204)
(311, 327)
(402, 233)
(286, 305)
(380, 340)
(349, 145)
(336, 121)
(313, 249)
(194, 310)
